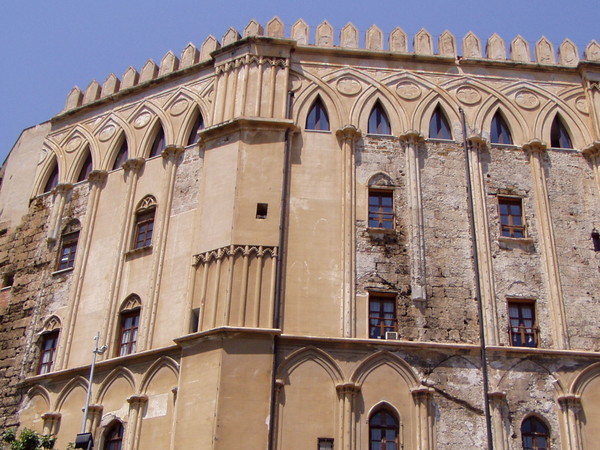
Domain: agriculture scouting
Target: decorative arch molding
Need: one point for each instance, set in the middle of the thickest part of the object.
(165, 362)
(449, 358)
(52, 323)
(576, 128)
(152, 115)
(384, 405)
(364, 104)
(380, 179)
(131, 302)
(558, 387)
(304, 101)
(513, 118)
(384, 358)
(297, 358)
(123, 131)
(46, 167)
(147, 140)
(188, 122)
(87, 145)
(78, 163)
(38, 391)
(425, 109)
(114, 375)
(585, 377)
(74, 383)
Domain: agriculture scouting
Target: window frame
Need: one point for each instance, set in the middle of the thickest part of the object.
(321, 115)
(522, 332)
(129, 344)
(68, 241)
(378, 330)
(121, 156)
(559, 132)
(394, 427)
(499, 130)
(158, 143)
(377, 213)
(441, 120)
(381, 120)
(144, 229)
(45, 367)
(113, 437)
(535, 434)
(510, 227)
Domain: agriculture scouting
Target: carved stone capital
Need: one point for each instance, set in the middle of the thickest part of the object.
(137, 400)
(535, 146)
(63, 188)
(51, 416)
(497, 397)
(172, 152)
(279, 384)
(411, 137)
(134, 164)
(97, 178)
(592, 149)
(348, 133)
(347, 389)
(95, 409)
(422, 393)
(477, 141)
(570, 402)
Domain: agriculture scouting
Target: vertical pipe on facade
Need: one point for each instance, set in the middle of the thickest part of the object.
(279, 279)
(484, 364)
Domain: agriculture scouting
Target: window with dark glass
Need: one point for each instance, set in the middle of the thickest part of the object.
(439, 127)
(158, 145)
(383, 431)
(52, 179)
(522, 327)
(129, 332)
(381, 209)
(197, 126)
(114, 437)
(325, 444)
(500, 133)
(378, 121)
(68, 249)
(144, 226)
(511, 217)
(122, 156)
(559, 136)
(317, 118)
(47, 352)
(535, 434)
(382, 315)
(85, 169)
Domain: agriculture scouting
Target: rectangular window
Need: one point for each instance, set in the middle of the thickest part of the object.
(523, 329)
(382, 315)
(68, 249)
(144, 225)
(325, 444)
(129, 331)
(511, 217)
(47, 352)
(381, 209)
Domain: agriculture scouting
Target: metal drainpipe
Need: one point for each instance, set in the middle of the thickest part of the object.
(484, 364)
(279, 277)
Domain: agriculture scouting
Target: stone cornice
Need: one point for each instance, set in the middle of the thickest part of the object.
(243, 123)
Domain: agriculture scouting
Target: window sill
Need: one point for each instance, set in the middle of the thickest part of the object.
(379, 231)
(60, 272)
(509, 243)
(449, 141)
(137, 252)
(308, 130)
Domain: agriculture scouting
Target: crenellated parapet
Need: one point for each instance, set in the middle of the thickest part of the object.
(349, 37)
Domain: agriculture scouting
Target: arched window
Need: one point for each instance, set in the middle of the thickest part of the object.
(68, 246)
(86, 168)
(559, 136)
(378, 120)
(500, 133)
(52, 179)
(144, 223)
(535, 434)
(439, 128)
(129, 321)
(122, 156)
(48, 345)
(158, 145)
(383, 430)
(113, 439)
(317, 118)
(198, 125)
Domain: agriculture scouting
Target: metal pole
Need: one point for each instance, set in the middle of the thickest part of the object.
(484, 364)
(95, 352)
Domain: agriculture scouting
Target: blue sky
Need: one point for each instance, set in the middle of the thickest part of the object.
(47, 47)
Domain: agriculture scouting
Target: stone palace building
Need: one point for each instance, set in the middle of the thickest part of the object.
(305, 239)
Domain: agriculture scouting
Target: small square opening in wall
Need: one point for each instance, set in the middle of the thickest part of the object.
(325, 444)
(262, 210)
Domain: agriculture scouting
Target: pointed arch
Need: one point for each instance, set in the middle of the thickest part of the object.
(39, 391)
(559, 134)
(535, 432)
(72, 384)
(131, 302)
(317, 117)
(195, 124)
(158, 142)
(117, 373)
(499, 129)
(379, 123)
(558, 387)
(164, 362)
(385, 358)
(122, 154)
(113, 436)
(583, 379)
(384, 428)
(380, 179)
(85, 165)
(439, 126)
(310, 354)
(51, 177)
(330, 98)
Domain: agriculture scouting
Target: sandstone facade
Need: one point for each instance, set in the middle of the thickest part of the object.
(308, 237)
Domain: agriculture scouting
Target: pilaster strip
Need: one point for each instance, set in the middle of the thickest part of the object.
(422, 397)
(499, 420)
(60, 192)
(570, 412)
